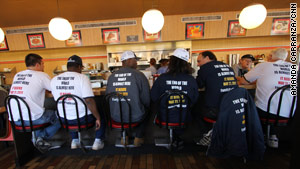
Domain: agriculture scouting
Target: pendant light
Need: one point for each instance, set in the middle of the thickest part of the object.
(1, 35)
(60, 28)
(153, 21)
(252, 16)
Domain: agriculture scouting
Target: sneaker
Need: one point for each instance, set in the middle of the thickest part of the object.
(178, 143)
(206, 139)
(273, 141)
(138, 141)
(98, 144)
(42, 145)
(75, 144)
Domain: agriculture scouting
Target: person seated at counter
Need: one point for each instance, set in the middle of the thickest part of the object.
(217, 78)
(163, 66)
(269, 76)
(134, 85)
(243, 66)
(152, 67)
(179, 78)
(73, 82)
(31, 84)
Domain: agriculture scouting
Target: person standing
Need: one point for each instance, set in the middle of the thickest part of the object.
(134, 85)
(31, 85)
(244, 66)
(152, 67)
(73, 82)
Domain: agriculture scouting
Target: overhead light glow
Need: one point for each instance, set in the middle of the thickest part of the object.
(153, 21)
(252, 16)
(60, 28)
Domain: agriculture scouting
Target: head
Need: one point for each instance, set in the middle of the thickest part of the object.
(205, 57)
(152, 62)
(278, 54)
(34, 62)
(163, 62)
(179, 62)
(74, 64)
(129, 59)
(246, 61)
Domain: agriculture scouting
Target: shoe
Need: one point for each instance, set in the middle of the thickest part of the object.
(126, 140)
(42, 145)
(273, 141)
(138, 141)
(206, 139)
(177, 143)
(98, 144)
(75, 144)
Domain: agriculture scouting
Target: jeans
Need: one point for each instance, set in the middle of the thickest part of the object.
(48, 132)
(100, 134)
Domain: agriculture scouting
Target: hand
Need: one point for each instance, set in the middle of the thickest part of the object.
(98, 124)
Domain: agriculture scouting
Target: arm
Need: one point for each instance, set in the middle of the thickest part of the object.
(91, 104)
(145, 91)
(200, 80)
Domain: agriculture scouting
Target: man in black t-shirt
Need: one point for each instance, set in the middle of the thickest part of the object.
(217, 78)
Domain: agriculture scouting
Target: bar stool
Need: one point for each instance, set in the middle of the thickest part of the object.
(165, 123)
(122, 126)
(9, 135)
(22, 128)
(74, 128)
(278, 121)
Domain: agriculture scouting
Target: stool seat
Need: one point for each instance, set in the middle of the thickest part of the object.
(209, 120)
(175, 125)
(76, 127)
(34, 127)
(118, 125)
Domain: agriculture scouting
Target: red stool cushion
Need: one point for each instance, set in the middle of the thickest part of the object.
(35, 127)
(169, 124)
(118, 125)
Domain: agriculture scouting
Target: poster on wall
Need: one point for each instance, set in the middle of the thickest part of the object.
(75, 39)
(36, 40)
(110, 35)
(235, 29)
(3, 45)
(194, 30)
(152, 36)
(280, 26)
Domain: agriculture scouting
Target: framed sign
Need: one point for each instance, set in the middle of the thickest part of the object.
(280, 26)
(110, 35)
(75, 39)
(235, 29)
(194, 30)
(152, 37)
(3, 45)
(36, 40)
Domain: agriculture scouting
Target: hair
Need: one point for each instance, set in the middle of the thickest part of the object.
(279, 54)
(152, 61)
(72, 65)
(210, 55)
(177, 65)
(32, 59)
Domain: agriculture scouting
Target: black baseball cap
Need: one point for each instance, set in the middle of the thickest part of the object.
(75, 59)
(249, 56)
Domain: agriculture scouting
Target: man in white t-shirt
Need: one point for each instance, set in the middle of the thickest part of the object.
(152, 67)
(31, 85)
(270, 76)
(73, 82)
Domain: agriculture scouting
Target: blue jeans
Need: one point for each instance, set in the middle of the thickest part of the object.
(48, 132)
(100, 134)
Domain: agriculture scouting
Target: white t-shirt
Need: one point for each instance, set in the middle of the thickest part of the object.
(152, 69)
(31, 86)
(270, 76)
(72, 83)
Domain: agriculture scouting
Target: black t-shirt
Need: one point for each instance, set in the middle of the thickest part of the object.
(183, 82)
(217, 78)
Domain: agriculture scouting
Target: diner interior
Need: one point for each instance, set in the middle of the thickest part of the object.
(102, 30)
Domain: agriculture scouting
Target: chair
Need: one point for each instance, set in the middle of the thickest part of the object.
(69, 99)
(124, 127)
(278, 121)
(31, 128)
(9, 135)
(179, 97)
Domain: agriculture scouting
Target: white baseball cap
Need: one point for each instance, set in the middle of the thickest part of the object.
(182, 54)
(128, 55)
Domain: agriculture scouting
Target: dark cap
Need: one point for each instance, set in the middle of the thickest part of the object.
(75, 59)
(163, 60)
(248, 56)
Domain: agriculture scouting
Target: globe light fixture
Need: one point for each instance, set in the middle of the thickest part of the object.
(252, 16)
(60, 28)
(1, 35)
(153, 21)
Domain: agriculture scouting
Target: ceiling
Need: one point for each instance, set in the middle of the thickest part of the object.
(36, 12)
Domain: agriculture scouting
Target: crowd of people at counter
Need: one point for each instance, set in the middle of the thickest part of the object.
(216, 77)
